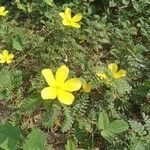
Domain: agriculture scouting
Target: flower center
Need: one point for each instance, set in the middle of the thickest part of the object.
(58, 86)
(6, 58)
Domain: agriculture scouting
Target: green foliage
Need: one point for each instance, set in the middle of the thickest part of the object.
(140, 134)
(35, 140)
(109, 136)
(10, 137)
(31, 103)
(6, 80)
(118, 126)
(103, 121)
(112, 31)
(68, 121)
(122, 87)
(70, 145)
(49, 2)
(17, 43)
(52, 115)
(110, 129)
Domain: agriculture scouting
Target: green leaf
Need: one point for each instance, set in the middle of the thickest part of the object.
(6, 84)
(49, 2)
(70, 145)
(126, 2)
(112, 3)
(109, 136)
(118, 126)
(48, 147)
(20, 5)
(68, 120)
(10, 137)
(17, 43)
(136, 5)
(35, 140)
(51, 116)
(5, 79)
(105, 40)
(30, 103)
(103, 120)
(122, 86)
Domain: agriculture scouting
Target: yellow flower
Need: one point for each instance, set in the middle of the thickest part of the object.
(70, 21)
(3, 12)
(86, 87)
(59, 86)
(114, 70)
(5, 57)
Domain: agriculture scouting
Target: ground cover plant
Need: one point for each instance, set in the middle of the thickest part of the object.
(74, 74)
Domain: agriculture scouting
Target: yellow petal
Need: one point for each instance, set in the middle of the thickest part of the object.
(8, 61)
(113, 68)
(62, 74)
(2, 8)
(66, 22)
(65, 97)
(62, 15)
(77, 17)
(49, 77)
(68, 13)
(102, 75)
(1, 56)
(75, 25)
(4, 13)
(119, 74)
(2, 61)
(10, 56)
(71, 85)
(48, 93)
(5, 53)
